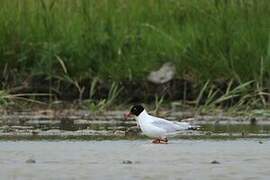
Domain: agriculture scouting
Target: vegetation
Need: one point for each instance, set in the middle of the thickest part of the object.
(70, 43)
(101, 105)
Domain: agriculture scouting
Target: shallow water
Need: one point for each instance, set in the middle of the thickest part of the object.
(181, 159)
(236, 128)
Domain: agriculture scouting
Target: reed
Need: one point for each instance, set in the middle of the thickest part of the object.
(120, 40)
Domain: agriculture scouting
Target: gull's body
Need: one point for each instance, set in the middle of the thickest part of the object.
(157, 127)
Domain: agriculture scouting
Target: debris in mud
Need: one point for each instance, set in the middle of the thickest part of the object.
(30, 161)
(119, 133)
(132, 131)
(127, 162)
(35, 132)
(215, 162)
(6, 129)
(253, 121)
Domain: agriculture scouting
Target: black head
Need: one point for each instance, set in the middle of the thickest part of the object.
(136, 110)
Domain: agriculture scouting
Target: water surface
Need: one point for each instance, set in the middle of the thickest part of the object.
(181, 159)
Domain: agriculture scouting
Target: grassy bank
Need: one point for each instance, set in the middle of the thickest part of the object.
(211, 42)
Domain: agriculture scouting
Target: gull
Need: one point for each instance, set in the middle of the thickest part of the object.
(156, 127)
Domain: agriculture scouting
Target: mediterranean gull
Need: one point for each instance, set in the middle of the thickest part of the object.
(156, 127)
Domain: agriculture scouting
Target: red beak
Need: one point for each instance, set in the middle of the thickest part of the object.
(127, 115)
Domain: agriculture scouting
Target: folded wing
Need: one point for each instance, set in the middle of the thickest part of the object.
(170, 126)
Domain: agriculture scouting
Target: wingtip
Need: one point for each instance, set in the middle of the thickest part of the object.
(193, 127)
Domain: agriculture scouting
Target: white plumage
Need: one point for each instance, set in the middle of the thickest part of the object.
(157, 127)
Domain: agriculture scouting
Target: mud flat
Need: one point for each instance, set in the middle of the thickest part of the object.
(111, 124)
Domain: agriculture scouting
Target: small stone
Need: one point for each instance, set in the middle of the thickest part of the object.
(30, 161)
(215, 162)
(260, 142)
(127, 162)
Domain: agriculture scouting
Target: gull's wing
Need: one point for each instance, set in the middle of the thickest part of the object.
(169, 126)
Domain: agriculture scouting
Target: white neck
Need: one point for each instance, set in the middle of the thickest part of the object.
(142, 115)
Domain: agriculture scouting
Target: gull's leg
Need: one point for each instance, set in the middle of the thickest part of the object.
(156, 141)
(163, 141)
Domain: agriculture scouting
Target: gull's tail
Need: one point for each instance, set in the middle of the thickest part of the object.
(193, 127)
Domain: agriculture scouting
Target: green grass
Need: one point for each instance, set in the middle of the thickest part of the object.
(119, 40)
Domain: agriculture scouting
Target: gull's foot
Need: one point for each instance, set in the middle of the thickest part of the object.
(163, 141)
(156, 141)
(160, 141)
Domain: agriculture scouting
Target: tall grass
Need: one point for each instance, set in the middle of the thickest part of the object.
(120, 40)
